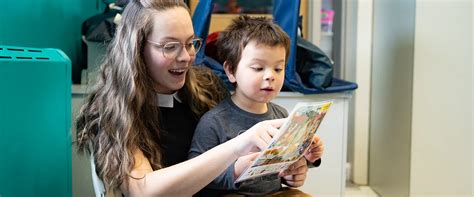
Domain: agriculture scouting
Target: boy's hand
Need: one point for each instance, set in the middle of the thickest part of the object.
(315, 150)
(295, 175)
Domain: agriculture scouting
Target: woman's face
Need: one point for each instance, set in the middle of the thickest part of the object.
(167, 68)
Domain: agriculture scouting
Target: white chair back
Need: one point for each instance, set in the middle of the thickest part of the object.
(99, 187)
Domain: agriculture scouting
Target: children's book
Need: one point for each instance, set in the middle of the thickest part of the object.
(290, 143)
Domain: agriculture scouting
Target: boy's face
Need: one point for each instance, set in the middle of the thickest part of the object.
(259, 75)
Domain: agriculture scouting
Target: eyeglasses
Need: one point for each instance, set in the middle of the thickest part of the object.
(172, 49)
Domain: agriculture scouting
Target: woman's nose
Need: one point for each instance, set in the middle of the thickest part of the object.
(184, 55)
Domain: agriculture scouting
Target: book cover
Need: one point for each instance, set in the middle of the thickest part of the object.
(292, 140)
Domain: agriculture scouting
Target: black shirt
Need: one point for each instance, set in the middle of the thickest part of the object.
(177, 129)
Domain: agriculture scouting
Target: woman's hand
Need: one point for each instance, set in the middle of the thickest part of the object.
(315, 150)
(243, 162)
(295, 175)
(257, 137)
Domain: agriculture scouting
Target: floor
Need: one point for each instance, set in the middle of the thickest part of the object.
(353, 190)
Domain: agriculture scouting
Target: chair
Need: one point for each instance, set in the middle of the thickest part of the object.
(99, 188)
(98, 184)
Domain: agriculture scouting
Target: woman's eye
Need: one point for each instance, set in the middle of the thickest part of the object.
(189, 45)
(171, 46)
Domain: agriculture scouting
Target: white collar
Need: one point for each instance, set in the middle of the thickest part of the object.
(166, 100)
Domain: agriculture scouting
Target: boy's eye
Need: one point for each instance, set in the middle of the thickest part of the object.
(257, 68)
(278, 70)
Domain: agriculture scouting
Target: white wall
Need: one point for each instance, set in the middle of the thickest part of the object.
(362, 70)
(421, 97)
(391, 96)
(441, 152)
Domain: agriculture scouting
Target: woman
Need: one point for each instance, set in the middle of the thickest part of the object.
(140, 118)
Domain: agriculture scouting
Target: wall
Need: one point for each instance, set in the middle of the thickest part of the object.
(361, 108)
(391, 96)
(47, 24)
(421, 120)
(441, 153)
(81, 166)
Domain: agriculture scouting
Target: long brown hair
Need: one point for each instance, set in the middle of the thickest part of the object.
(121, 114)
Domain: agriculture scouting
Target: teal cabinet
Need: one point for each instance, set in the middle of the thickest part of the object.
(35, 109)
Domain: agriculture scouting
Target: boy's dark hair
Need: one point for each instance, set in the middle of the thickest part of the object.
(241, 31)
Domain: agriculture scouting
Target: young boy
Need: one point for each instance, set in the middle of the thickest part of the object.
(254, 52)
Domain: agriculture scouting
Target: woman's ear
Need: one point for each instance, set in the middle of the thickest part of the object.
(229, 72)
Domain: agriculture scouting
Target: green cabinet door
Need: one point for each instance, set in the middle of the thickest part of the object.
(35, 139)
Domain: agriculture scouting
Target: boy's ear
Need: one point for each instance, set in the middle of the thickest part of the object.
(229, 72)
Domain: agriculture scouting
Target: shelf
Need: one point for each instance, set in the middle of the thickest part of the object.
(327, 34)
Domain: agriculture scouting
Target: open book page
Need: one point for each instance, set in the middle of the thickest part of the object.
(292, 140)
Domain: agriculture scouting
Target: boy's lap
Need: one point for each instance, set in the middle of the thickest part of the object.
(285, 191)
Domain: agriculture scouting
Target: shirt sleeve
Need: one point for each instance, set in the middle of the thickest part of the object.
(205, 137)
(315, 164)
(208, 134)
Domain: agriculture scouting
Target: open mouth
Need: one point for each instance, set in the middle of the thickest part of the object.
(267, 89)
(177, 72)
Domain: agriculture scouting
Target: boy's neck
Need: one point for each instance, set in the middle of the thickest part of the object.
(252, 107)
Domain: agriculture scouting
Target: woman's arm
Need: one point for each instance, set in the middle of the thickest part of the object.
(187, 178)
(183, 179)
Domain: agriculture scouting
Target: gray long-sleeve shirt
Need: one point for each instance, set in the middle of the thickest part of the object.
(221, 124)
